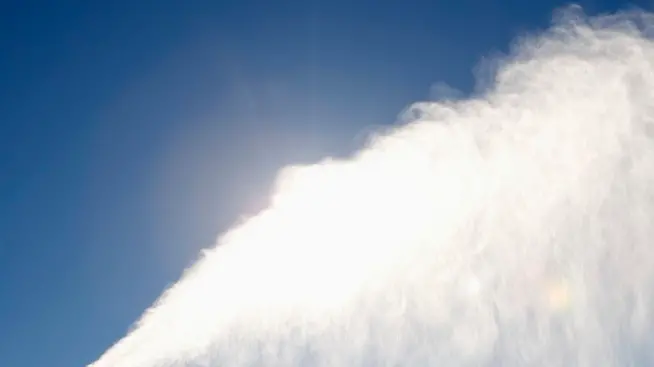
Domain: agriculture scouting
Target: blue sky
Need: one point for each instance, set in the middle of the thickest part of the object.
(132, 134)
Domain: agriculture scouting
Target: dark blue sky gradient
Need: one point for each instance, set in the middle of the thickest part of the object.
(133, 133)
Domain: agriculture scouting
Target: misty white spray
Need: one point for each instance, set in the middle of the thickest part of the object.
(513, 228)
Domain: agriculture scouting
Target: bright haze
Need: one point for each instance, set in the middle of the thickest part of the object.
(511, 226)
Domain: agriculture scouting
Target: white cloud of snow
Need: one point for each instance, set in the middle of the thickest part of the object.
(513, 228)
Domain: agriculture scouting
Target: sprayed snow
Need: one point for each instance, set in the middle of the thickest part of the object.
(515, 228)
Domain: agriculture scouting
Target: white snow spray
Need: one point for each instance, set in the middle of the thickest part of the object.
(512, 228)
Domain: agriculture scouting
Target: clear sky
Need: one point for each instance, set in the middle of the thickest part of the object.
(132, 133)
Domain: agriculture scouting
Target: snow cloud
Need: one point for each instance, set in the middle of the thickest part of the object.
(514, 227)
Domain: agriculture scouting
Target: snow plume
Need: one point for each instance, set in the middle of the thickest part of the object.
(515, 228)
